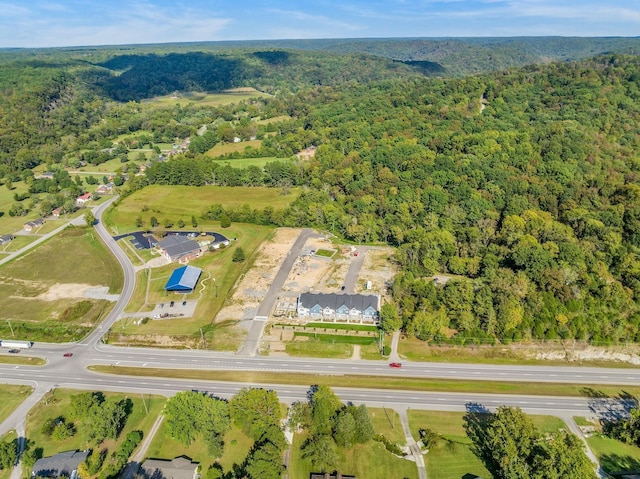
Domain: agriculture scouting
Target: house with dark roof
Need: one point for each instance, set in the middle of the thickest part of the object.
(31, 225)
(179, 468)
(178, 248)
(183, 280)
(4, 239)
(350, 308)
(326, 475)
(63, 464)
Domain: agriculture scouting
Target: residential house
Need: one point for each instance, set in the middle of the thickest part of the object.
(47, 175)
(4, 239)
(350, 308)
(31, 225)
(179, 468)
(83, 199)
(178, 248)
(57, 212)
(106, 189)
(63, 464)
(326, 475)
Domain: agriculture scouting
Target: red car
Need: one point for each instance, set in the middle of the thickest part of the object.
(395, 365)
(67, 355)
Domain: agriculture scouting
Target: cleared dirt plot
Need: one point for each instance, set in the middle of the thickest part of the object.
(378, 269)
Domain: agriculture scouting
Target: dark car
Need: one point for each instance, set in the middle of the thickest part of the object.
(395, 365)
(67, 355)
(184, 303)
(14, 351)
(171, 304)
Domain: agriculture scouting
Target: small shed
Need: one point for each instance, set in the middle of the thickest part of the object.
(183, 280)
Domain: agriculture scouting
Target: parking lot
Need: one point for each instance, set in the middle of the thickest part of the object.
(174, 308)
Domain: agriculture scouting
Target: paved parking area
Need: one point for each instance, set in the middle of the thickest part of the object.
(178, 310)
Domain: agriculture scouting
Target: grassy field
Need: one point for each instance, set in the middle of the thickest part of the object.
(246, 162)
(56, 403)
(224, 148)
(10, 398)
(226, 97)
(275, 119)
(236, 446)
(38, 293)
(17, 243)
(387, 422)
(614, 455)
(183, 202)
(370, 461)
(218, 278)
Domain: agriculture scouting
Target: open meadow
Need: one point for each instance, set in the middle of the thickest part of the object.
(614, 455)
(235, 95)
(10, 398)
(223, 148)
(182, 202)
(44, 289)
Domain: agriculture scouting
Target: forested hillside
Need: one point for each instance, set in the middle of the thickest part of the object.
(522, 185)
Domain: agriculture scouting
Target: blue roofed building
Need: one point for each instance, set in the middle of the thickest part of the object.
(183, 280)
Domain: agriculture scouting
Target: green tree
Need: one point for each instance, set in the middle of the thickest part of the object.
(562, 457)
(364, 427)
(194, 222)
(107, 420)
(254, 409)
(153, 221)
(8, 454)
(215, 471)
(180, 223)
(265, 462)
(82, 404)
(225, 221)
(324, 405)
(344, 430)
(238, 255)
(390, 320)
(89, 219)
(139, 222)
(321, 450)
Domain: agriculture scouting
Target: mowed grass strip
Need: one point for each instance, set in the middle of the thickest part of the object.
(376, 382)
(614, 455)
(22, 360)
(182, 202)
(11, 396)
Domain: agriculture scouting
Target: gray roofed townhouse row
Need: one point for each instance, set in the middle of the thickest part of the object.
(4, 239)
(179, 248)
(358, 308)
(178, 468)
(63, 464)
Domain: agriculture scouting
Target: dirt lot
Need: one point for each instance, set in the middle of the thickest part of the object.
(310, 272)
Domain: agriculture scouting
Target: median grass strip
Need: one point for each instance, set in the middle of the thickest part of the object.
(377, 382)
(22, 360)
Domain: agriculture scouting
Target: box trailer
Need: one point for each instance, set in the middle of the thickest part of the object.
(13, 344)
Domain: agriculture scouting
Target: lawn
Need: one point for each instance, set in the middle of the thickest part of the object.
(371, 461)
(387, 422)
(219, 276)
(319, 349)
(56, 403)
(452, 458)
(236, 447)
(17, 243)
(22, 360)
(10, 398)
(182, 202)
(614, 455)
(40, 296)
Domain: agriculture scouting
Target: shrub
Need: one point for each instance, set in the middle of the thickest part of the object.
(389, 446)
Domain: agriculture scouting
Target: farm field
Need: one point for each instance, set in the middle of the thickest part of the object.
(247, 162)
(226, 97)
(56, 403)
(45, 299)
(183, 202)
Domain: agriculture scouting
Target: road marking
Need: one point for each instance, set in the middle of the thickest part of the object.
(261, 318)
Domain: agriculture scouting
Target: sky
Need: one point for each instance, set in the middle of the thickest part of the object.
(56, 23)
